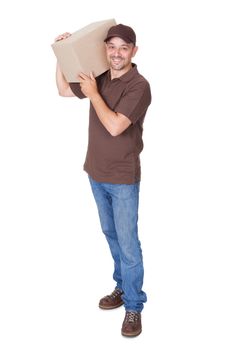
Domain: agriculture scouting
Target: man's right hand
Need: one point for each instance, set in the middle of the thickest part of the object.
(62, 36)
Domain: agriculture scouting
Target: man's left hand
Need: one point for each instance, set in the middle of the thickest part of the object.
(88, 85)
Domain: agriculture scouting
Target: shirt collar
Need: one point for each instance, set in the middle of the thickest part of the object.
(128, 75)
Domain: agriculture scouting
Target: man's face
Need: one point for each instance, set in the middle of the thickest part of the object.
(119, 53)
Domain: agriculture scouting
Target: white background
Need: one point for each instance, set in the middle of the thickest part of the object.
(54, 261)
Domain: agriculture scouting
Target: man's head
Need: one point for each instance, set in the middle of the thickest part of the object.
(122, 31)
(120, 48)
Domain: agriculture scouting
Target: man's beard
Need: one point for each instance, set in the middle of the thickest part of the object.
(117, 63)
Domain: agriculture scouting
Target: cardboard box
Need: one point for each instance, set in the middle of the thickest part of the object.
(84, 51)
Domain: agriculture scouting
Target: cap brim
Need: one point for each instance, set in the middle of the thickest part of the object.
(118, 36)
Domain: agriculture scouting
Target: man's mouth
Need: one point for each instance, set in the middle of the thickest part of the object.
(116, 60)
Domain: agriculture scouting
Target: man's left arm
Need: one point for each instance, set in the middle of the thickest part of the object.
(114, 122)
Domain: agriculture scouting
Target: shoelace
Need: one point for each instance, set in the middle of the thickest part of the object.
(131, 316)
(115, 293)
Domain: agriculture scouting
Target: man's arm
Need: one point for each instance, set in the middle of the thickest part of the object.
(62, 85)
(115, 123)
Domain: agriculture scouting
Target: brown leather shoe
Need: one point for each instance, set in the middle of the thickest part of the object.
(132, 325)
(112, 301)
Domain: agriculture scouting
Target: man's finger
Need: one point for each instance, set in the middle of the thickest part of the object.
(92, 76)
(83, 76)
(62, 36)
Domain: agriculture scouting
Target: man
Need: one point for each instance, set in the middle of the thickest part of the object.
(119, 99)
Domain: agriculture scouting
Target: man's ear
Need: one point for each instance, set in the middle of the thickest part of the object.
(135, 49)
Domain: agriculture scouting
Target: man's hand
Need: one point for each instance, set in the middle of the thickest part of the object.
(88, 85)
(62, 36)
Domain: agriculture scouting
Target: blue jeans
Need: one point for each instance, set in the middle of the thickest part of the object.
(118, 212)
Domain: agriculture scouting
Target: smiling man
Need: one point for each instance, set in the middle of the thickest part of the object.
(119, 99)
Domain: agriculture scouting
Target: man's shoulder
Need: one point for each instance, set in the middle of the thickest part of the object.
(138, 80)
(142, 79)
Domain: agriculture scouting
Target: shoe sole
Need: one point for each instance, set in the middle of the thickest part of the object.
(110, 307)
(131, 334)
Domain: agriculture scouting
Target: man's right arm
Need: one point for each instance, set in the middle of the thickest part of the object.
(62, 85)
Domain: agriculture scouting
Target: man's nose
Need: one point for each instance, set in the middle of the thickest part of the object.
(117, 51)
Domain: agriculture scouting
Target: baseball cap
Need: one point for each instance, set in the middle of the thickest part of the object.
(124, 32)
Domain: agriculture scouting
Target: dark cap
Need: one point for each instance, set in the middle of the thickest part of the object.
(124, 32)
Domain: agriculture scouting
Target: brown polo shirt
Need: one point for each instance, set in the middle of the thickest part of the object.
(115, 159)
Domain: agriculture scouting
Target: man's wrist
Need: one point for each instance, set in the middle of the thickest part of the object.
(95, 98)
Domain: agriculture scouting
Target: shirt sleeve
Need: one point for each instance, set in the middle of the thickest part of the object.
(75, 87)
(135, 101)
